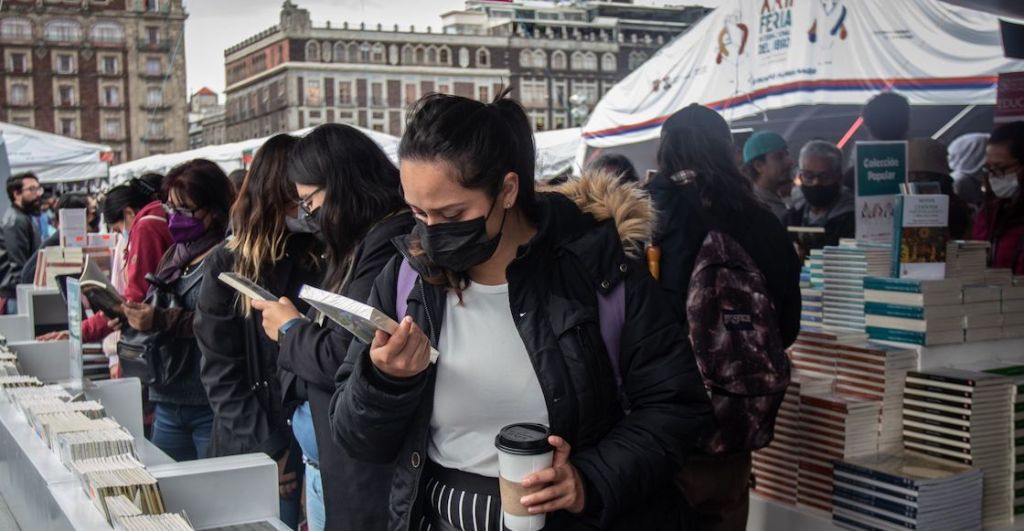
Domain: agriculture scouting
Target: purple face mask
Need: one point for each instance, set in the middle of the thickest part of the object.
(185, 229)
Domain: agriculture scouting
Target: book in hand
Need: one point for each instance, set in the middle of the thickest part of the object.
(96, 287)
(360, 319)
(246, 287)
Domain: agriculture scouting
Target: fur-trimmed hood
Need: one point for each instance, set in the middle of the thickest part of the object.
(605, 197)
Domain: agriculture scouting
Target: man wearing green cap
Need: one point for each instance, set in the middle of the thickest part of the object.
(767, 162)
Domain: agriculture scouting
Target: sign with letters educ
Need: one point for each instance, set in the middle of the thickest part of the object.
(1009, 97)
(880, 167)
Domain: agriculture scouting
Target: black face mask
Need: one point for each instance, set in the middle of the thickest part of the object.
(311, 223)
(299, 225)
(821, 196)
(459, 245)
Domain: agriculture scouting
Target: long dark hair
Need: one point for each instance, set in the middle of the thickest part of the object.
(1010, 135)
(724, 190)
(361, 188)
(135, 194)
(258, 215)
(207, 186)
(482, 142)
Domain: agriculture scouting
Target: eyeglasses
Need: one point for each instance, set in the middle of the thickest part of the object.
(997, 170)
(814, 178)
(188, 212)
(306, 203)
(31, 189)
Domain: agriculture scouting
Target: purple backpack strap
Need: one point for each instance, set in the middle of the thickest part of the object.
(611, 309)
(406, 280)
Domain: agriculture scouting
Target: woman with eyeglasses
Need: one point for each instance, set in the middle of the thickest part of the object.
(199, 197)
(349, 196)
(1001, 219)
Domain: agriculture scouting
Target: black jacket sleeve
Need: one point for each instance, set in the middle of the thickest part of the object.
(669, 407)
(21, 243)
(221, 330)
(315, 353)
(371, 414)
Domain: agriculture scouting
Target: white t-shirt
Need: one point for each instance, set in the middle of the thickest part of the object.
(485, 381)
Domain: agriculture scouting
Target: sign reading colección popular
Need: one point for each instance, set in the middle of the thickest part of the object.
(881, 167)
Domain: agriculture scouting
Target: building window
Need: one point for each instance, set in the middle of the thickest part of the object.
(18, 63)
(410, 94)
(326, 54)
(111, 96)
(112, 128)
(152, 5)
(444, 56)
(558, 121)
(408, 55)
(110, 65)
(156, 128)
(364, 53)
(66, 95)
(340, 55)
(345, 93)
(154, 67)
(484, 94)
(314, 96)
(539, 120)
(154, 96)
(483, 58)
(443, 89)
(377, 56)
(421, 55)
(23, 119)
(312, 51)
(636, 59)
(587, 88)
(559, 96)
(63, 31)
(107, 33)
(534, 93)
(68, 126)
(353, 52)
(377, 94)
(558, 60)
(540, 59)
(64, 63)
(152, 35)
(393, 54)
(16, 29)
(609, 63)
(19, 94)
(526, 59)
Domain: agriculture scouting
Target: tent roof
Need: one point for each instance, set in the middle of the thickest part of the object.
(53, 158)
(743, 62)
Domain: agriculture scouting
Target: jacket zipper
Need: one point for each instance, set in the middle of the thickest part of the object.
(423, 457)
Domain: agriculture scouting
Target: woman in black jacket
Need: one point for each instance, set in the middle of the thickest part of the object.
(199, 198)
(349, 194)
(272, 247)
(699, 188)
(507, 291)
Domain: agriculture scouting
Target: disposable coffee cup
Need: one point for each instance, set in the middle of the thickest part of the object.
(522, 450)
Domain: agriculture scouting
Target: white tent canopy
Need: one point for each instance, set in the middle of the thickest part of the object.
(556, 151)
(229, 157)
(749, 56)
(53, 158)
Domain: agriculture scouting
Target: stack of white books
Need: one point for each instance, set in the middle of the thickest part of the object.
(814, 353)
(1012, 310)
(983, 320)
(846, 265)
(967, 260)
(873, 371)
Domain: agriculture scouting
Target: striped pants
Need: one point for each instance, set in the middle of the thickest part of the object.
(459, 501)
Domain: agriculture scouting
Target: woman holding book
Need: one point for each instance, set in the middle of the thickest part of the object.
(1001, 219)
(507, 290)
(199, 197)
(349, 197)
(272, 247)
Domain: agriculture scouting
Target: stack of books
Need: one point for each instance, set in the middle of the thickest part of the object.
(903, 490)
(965, 417)
(845, 267)
(832, 427)
(155, 522)
(967, 260)
(1016, 374)
(878, 372)
(95, 365)
(814, 353)
(776, 467)
(919, 312)
(984, 322)
(1011, 308)
(812, 291)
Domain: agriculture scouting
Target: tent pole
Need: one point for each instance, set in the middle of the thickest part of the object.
(956, 119)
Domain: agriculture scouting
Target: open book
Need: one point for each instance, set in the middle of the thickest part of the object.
(97, 288)
(360, 319)
(246, 287)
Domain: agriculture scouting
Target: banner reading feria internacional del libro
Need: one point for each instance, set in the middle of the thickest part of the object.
(752, 55)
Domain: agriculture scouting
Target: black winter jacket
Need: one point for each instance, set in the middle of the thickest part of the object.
(19, 240)
(626, 460)
(681, 232)
(355, 492)
(239, 365)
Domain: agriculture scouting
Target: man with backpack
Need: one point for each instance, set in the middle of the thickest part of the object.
(733, 275)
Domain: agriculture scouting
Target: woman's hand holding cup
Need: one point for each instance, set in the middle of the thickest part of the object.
(403, 354)
(564, 489)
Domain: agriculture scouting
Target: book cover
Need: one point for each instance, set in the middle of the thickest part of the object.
(921, 234)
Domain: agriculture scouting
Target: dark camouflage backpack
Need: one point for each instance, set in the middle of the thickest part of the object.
(738, 345)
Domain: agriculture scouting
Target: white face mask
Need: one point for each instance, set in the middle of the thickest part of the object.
(1004, 186)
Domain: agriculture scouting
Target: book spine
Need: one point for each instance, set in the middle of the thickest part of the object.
(942, 378)
(879, 515)
(899, 336)
(897, 237)
(874, 501)
(875, 475)
(936, 389)
(892, 284)
(894, 310)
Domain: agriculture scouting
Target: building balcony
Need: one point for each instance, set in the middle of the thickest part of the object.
(156, 106)
(152, 75)
(19, 104)
(146, 45)
(162, 138)
(16, 71)
(112, 106)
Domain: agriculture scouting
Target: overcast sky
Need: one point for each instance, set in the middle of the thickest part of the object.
(214, 25)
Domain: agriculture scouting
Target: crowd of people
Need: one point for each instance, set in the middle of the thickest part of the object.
(582, 306)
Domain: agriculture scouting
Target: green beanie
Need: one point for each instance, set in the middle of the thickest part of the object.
(762, 143)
